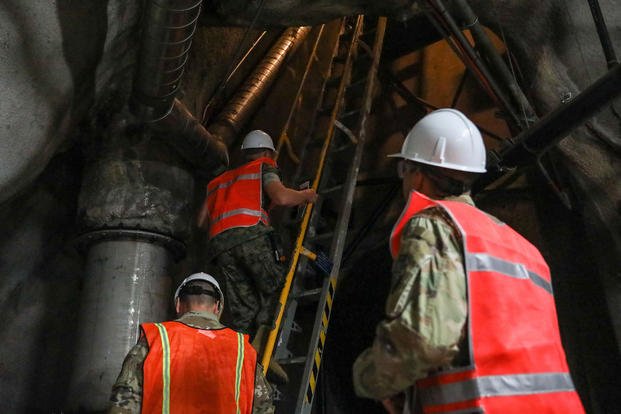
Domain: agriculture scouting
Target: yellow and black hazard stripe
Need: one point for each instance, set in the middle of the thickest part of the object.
(325, 319)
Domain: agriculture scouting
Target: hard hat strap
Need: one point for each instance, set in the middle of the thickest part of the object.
(198, 290)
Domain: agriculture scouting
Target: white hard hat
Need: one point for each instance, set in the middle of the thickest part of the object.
(257, 139)
(445, 138)
(205, 278)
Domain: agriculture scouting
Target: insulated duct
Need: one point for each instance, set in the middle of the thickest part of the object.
(169, 26)
(231, 120)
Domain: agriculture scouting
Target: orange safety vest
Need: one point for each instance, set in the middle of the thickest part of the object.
(517, 362)
(191, 370)
(234, 198)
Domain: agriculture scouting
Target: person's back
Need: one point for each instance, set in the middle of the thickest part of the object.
(470, 316)
(242, 243)
(516, 362)
(193, 364)
(197, 370)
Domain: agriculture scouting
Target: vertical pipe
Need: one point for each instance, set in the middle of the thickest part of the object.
(487, 49)
(602, 32)
(443, 20)
(126, 283)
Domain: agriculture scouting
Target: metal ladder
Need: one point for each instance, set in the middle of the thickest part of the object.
(298, 340)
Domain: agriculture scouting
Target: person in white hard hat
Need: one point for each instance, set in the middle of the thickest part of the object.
(470, 322)
(193, 364)
(243, 244)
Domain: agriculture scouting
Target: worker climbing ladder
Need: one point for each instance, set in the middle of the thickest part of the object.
(340, 125)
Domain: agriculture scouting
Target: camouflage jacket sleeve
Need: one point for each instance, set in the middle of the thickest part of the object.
(126, 395)
(425, 312)
(262, 394)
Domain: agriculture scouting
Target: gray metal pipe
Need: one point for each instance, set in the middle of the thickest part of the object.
(558, 124)
(194, 143)
(484, 45)
(169, 26)
(530, 144)
(440, 16)
(167, 32)
(233, 118)
(603, 34)
(127, 282)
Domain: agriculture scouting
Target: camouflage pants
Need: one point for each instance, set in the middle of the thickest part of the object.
(252, 284)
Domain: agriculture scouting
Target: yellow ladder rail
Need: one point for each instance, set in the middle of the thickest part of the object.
(269, 346)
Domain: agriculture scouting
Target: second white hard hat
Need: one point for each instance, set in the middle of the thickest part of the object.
(205, 278)
(445, 138)
(258, 139)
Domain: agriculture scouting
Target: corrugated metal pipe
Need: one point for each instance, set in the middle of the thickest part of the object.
(231, 120)
(168, 29)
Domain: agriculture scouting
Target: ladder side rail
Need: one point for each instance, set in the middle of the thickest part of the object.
(322, 317)
(269, 347)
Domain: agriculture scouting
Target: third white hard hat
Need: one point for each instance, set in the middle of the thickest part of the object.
(445, 138)
(257, 139)
(205, 277)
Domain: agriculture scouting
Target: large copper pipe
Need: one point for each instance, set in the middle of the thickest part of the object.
(231, 120)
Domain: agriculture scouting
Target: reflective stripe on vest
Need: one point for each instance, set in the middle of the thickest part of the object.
(238, 368)
(497, 386)
(165, 368)
(485, 262)
(254, 176)
(241, 211)
(234, 198)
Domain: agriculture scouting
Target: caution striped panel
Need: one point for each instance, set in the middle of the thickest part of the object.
(325, 319)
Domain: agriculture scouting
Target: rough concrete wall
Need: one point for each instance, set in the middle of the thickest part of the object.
(38, 290)
(57, 56)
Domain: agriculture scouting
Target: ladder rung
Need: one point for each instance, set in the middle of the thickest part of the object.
(328, 190)
(358, 82)
(296, 360)
(347, 114)
(366, 48)
(326, 110)
(310, 293)
(370, 30)
(322, 236)
(334, 81)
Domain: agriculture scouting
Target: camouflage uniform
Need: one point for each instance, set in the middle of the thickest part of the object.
(248, 271)
(126, 395)
(426, 309)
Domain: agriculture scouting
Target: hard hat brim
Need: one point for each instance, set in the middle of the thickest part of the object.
(448, 166)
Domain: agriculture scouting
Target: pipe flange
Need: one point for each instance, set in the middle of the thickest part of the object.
(85, 240)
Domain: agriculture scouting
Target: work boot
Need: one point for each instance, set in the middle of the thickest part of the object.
(276, 373)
